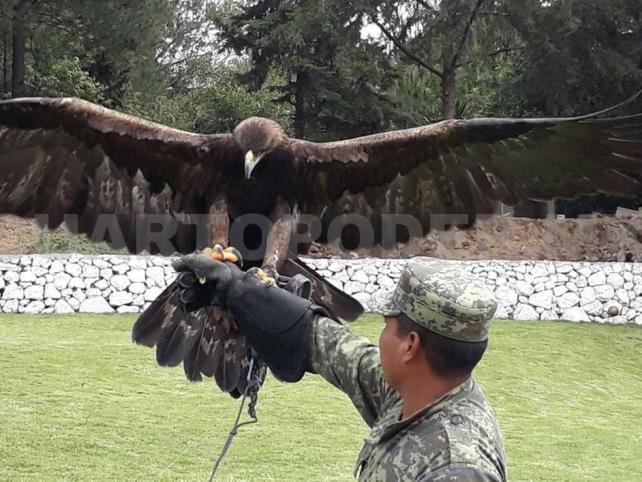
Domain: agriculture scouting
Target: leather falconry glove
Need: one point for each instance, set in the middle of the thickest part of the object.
(275, 322)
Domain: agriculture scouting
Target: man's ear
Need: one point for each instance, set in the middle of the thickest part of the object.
(411, 347)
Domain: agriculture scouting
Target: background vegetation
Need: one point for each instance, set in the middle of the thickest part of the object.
(324, 68)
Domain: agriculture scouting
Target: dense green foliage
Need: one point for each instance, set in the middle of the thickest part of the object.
(79, 401)
(324, 68)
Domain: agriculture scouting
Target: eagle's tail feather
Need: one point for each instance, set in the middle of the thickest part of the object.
(147, 327)
(339, 304)
(179, 333)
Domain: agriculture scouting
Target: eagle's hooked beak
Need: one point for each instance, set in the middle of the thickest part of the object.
(250, 163)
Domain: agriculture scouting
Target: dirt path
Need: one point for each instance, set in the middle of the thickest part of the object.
(595, 239)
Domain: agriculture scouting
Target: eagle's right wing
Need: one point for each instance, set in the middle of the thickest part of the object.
(69, 156)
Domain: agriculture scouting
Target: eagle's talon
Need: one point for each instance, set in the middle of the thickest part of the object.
(262, 276)
(229, 254)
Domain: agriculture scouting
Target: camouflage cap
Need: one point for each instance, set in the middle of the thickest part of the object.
(438, 295)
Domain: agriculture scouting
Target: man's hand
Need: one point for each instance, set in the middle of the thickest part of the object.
(275, 322)
(204, 281)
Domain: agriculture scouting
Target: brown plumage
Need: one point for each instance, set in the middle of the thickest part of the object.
(67, 156)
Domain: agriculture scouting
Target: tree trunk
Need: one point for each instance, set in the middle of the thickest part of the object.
(19, 26)
(448, 95)
(299, 106)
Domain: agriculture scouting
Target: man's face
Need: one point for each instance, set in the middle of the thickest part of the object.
(391, 351)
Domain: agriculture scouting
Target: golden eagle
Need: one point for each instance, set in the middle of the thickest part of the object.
(61, 157)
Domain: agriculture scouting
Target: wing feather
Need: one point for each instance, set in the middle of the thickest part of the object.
(468, 166)
(68, 157)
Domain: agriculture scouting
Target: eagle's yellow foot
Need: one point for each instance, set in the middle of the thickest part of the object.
(218, 253)
(229, 254)
(262, 276)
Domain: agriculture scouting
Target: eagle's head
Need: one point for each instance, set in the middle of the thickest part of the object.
(257, 137)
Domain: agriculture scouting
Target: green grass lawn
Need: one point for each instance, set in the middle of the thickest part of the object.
(79, 401)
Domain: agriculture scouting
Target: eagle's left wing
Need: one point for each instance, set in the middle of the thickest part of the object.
(467, 166)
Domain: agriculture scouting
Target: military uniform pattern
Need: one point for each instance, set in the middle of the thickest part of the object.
(436, 294)
(455, 439)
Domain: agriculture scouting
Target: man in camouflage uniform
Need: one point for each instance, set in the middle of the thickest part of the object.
(430, 420)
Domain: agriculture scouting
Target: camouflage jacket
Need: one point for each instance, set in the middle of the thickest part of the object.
(457, 438)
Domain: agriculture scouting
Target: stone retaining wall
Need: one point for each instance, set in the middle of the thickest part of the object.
(526, 290)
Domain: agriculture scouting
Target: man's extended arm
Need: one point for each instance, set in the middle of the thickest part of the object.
(288, 332)
(350, 363)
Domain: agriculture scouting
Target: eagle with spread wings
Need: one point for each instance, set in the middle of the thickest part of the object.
(111, 173)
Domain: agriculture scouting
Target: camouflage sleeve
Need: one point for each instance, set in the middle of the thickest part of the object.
(350, 363)
(460, 473)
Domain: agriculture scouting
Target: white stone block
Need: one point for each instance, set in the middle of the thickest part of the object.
(10, 306)
(137, 263)
(75, 270)
(539, 270)
(506, 296)
(27, 277)
(80, 295)
(101, 263)
(34, 307)
(137, 288)
(89, 282)
(128, 309)
(524, 288)
(89, 271)
(353, 287)
(604, 293)
(13, 292)
(156, 274)
(587, 295)
(622, 295)
(594, 308)
(96, 304)
(542, 300)
(120, 282)
(152, 293)
(597, 279)
(101, 284)
(360, 277)
(62, 306)
(136, 275)
(568, 300)
(34, 292)
(76, 284)
(119, 298)
(525, 312)
(61, 280)
(121, 268)
(575, 314)
(5, 267)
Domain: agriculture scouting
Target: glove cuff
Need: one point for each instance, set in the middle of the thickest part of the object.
(276, 323)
